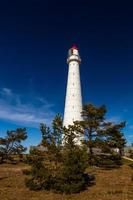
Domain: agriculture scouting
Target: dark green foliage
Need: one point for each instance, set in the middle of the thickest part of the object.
(102, 135)
(93, 118)
(109, 161)
(45, 164)
(52, 142)
(40, 177)
(72, 177)
(11, 144)
(131, 153)
(114, 138)
(61, 168)
(62, 163)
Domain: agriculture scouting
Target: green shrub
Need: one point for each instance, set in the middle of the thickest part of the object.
(72, 178)
(40, 177)
(108, 160)
(57, 167)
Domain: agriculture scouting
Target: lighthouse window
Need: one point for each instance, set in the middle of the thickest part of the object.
(73, 84)
(73, 107)
(73, 95)
(73, 74)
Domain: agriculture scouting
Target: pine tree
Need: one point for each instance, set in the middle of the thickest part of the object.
(72, 177)
(45, 163)
(103, 135)
(11, 144)
(114, 136)
(52, 141)
(93, 118)
(61, 168)
(40, 177)
(130, 153)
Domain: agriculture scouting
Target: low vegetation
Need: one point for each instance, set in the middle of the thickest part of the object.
(114, 184)
(59, 164)
(131, 153)
(11, 145)
(59, 168)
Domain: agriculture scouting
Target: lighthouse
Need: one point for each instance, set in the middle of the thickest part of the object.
(73, 101)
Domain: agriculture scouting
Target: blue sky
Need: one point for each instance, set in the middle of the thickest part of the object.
(34, 39)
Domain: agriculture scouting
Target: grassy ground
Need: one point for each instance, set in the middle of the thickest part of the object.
(113, 184)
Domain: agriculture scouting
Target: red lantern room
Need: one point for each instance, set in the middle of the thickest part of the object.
(73, 54)
(74, 47)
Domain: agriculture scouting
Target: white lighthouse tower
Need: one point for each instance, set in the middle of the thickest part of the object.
(73, 102)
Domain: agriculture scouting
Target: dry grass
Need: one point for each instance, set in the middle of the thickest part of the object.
(113, 184)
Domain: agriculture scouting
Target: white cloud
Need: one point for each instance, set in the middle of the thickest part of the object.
(28, 114)
(42, 100)
(6, 91)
